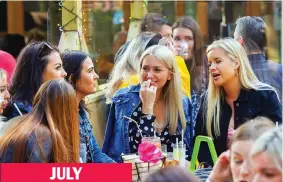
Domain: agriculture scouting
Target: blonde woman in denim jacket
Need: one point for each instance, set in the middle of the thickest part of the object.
(156, 104)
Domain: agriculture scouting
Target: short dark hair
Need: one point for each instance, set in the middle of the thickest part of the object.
(27, 77)
(253, 31)
(152, 22)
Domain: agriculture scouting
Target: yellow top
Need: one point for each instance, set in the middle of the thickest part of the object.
(131, 81)
(184, 73)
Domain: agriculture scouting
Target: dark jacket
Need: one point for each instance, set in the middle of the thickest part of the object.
(11, 112)
(267, 71)
(249, 105)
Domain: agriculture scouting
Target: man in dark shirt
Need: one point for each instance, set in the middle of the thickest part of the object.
(250, 31)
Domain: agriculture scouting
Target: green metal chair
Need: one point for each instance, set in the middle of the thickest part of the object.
(211, 147)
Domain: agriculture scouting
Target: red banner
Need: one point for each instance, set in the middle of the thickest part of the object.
(65, 172)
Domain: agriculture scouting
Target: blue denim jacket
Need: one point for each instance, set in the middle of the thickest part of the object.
(125, 101)
(32, 151)
(11, 111)
(86, 133)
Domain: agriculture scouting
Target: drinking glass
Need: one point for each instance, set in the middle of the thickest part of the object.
(179, 154)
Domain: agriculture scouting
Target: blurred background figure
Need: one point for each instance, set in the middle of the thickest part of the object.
(251, 32)
(7, 63)
(13, 44)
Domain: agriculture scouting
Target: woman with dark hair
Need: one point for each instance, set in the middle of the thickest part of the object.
(37, 63)
(187, 35)
(80, 73)
(50, 133)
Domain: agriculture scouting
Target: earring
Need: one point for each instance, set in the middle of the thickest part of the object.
(237, 74)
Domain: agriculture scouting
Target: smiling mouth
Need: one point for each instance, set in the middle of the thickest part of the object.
(153, 82)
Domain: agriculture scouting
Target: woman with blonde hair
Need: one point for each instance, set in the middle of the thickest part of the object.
(50, 133)
(234, 95)
(235, 163)
(156, 104)
(266, 156)
(4, 93)
(125, 70)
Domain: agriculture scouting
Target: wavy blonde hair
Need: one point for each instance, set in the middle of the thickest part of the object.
(172, 91)
(248, 81)
(128, 64)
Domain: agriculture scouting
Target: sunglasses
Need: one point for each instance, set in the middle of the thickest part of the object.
(43, 49)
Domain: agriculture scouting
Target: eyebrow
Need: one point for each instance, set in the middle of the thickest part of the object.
(233, 152)
(91, 68)
(57, 64)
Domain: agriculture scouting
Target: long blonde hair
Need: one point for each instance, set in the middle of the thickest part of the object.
(55, 114)
(128, 64)
(172, 91)
(215, 94)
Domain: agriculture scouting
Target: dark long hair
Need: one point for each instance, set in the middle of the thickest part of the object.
(197, 64)
(29, 69)
(54, 116)
(72, 63)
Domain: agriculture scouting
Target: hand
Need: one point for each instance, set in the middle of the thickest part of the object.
(168, 42)
(221, 171)
(181, 49)
(147, 96)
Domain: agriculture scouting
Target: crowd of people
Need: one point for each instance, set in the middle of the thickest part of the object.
(164, 83)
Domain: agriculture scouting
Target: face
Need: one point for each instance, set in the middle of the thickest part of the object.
(239, 163)
(154, 70)
(86, 84)
(221, 68)
(166, 31)
(184, 35)
(264, 169)
(4, 94)
(238, 37)
(54, 68)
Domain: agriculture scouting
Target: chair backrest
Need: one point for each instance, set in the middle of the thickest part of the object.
(211, 147)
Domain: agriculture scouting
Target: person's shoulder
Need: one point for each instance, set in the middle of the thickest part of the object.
(274, 66)
(127, 91)
(264, 94)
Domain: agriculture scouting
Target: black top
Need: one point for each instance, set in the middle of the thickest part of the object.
(249, 105)
(146, 124)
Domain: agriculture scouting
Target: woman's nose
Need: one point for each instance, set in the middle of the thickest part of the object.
(95, 76)
(64, 74)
